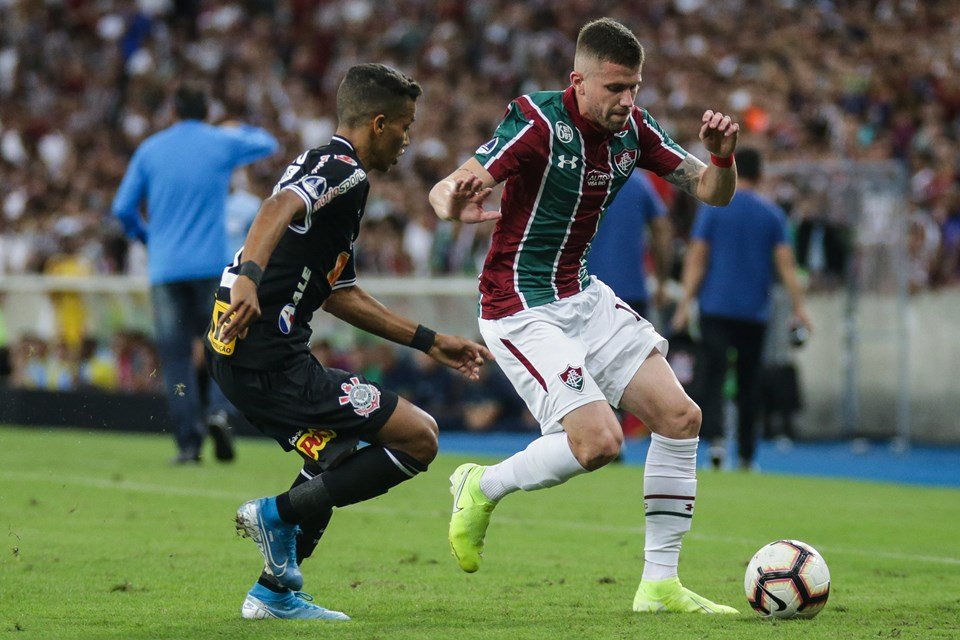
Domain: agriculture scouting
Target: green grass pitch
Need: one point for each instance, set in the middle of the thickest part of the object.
(103, 539)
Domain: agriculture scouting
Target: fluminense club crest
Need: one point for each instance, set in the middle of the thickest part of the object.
(365, 398)
(625, 161)
(573, 378)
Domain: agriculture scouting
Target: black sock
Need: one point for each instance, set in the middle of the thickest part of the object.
(311, 530)
(268, 581)
(313, 526)
(286, 511)
(370, 472)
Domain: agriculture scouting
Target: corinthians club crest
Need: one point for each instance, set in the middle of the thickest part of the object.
(365, 398)
(573, 378)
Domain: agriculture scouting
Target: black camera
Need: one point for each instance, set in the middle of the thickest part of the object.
(798, 335)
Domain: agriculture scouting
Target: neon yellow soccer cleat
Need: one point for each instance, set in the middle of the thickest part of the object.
(669, 596)
(470, 518)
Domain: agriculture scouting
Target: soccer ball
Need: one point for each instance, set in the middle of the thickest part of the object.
(787, 579)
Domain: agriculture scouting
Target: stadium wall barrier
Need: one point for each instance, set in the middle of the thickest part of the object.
(92, 409)
(449, 304)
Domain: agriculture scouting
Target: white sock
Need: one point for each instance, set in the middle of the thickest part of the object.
(669, 494)
(546, 462)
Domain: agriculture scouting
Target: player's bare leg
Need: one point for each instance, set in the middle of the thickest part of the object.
(669, 485)
(591, 439)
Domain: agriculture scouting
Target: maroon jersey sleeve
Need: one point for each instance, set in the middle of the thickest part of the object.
(522, 137)
(658, 152)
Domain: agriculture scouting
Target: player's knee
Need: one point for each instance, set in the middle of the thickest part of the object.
(426, 443)
(598, 451)
(683, 421)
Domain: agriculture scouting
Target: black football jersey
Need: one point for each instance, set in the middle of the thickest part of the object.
(313, 258)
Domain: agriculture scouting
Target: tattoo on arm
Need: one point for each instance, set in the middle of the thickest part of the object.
(687, 175)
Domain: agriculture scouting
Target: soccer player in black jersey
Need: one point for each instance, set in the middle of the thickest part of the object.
(298, 257)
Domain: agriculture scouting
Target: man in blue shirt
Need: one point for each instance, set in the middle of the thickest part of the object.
(617, 251)
(730, 263)
(183, 174)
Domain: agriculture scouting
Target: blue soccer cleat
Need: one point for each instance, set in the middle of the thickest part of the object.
(277, 540)
(262, 603)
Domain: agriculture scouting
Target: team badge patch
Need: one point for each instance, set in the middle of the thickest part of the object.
(315, 186)
(365, 398)
(488, 147)
(312, 441)
(564, 132)
(573, 378)
(287, 316)
(625, 160)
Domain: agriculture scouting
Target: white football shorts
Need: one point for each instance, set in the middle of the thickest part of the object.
(565, 354)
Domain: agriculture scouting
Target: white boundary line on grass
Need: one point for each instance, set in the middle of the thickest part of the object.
(143, 487)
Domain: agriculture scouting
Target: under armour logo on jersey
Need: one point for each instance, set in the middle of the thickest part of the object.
(564, 163)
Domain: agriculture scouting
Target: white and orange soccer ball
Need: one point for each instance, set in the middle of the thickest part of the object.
(787, 579)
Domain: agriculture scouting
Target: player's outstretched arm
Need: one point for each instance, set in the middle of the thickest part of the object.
(460, 195)
(355, 306)
(275, 215)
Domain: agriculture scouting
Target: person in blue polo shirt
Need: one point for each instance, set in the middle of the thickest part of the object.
(183, 175)
(617, 251)
(729, 267)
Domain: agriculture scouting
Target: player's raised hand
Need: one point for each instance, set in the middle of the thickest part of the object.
(466, 356)
(719, 133)
(461, 198)
(244, 309)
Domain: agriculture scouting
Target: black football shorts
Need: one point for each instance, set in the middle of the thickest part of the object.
(320, 413)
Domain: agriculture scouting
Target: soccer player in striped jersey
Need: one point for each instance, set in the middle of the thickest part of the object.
(570, 347)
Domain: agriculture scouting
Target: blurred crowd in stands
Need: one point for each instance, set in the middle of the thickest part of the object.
(129, 364)
(83, 83)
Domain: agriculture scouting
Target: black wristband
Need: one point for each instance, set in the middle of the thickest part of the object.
(252, 270)
(423, 338)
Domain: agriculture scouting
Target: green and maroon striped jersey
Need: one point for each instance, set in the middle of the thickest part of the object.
(561, 172)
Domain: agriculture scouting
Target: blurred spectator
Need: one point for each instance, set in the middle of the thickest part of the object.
(29, 362)
(438, 391)
(183, 174)
(494, 405)
(241, 208)
(69, 307)
(98, 368)
(6, 364)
